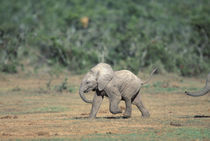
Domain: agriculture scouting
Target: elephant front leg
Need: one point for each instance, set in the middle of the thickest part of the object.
(113, 105)
(114, 99)
(97, 100)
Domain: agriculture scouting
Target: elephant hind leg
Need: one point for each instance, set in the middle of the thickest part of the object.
(138, 102)
(128, 109)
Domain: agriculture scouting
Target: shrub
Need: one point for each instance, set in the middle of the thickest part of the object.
(129, 35)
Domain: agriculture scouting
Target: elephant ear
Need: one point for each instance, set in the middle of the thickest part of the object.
(103, 80)
(104, 75)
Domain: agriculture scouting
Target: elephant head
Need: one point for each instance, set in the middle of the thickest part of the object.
(204, 91)
(96, 79)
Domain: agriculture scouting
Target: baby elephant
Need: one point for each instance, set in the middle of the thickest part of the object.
(117, 86)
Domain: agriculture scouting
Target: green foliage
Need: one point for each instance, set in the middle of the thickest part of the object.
(8, 68)
(64, 86)
(78, 34)
(72, 89)
(9, 48)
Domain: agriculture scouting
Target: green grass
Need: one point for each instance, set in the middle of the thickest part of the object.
(186, 133)
(189, 134)
(150, 134)
(164, 87)
(49, 109)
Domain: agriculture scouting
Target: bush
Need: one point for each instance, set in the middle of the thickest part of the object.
(78, 34)
(8, 68)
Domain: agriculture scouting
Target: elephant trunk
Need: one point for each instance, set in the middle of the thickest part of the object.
(204, 91)
(199, 93)
(82, 95)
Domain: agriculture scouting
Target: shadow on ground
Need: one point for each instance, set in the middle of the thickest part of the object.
(195, 116)
(111, 117)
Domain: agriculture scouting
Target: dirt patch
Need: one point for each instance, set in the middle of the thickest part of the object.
(43, 133)
(84, 114)
(172, 123)
(9, 117)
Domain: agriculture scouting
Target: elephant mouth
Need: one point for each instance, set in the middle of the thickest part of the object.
(85, 91)
(88, 90)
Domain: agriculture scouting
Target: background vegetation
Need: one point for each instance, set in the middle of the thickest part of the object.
(128, 34)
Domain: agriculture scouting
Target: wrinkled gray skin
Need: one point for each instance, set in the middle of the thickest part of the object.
(204, 91)
(117, 86)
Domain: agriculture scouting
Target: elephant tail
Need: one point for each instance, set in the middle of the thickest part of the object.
(146, 81)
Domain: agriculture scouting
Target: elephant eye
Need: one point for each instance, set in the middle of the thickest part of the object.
(87, 82)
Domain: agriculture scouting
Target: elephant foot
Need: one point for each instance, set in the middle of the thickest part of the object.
(115, 110)
(146, 115)
(126, 116)
(91, 117)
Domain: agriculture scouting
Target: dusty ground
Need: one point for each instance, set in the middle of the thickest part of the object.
(40, 107)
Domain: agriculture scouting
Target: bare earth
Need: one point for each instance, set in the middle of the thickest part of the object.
(31, 107)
